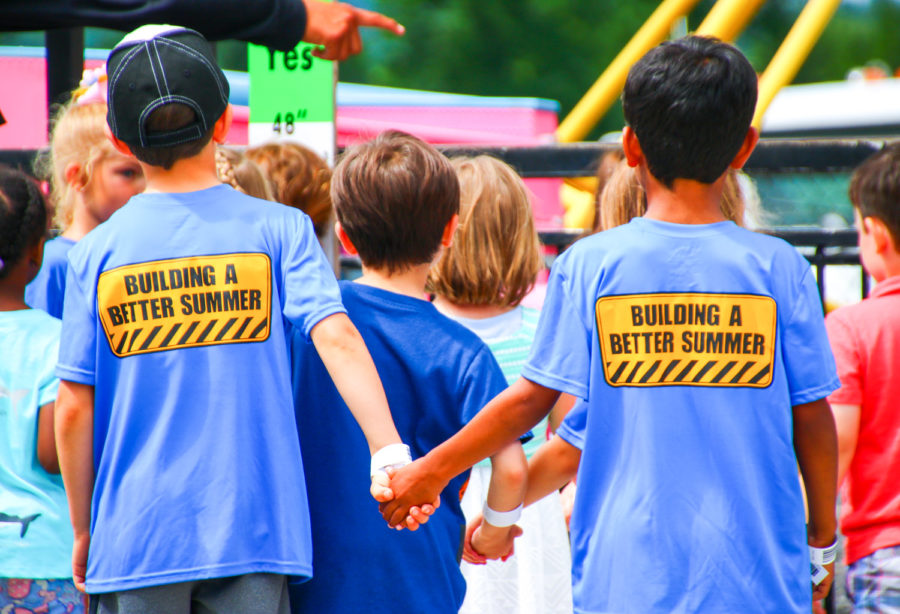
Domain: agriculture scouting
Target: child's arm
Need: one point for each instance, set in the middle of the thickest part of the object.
(347, 359)
(350, 365)
(815, 443)
(505, 492)
(46, 441)
(553, 466)
(74, 425)
(846, 419)
(504, 419)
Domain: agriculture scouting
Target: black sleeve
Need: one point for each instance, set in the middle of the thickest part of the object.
(279, 24)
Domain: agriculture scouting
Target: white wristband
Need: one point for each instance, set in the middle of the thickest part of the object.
(501, 519)
(392, 455)
(823, 556)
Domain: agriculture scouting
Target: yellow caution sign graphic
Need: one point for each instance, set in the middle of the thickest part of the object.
(186, 302)
(687, 339)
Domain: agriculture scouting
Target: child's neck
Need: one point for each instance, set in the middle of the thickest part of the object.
(12, 289)
(82, 220)
(687, 202)
(409, 282)
(186, 175)
(472, 312)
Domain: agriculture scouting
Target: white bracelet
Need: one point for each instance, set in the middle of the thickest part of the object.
(501, 519)
(392, 455)
(823, 556)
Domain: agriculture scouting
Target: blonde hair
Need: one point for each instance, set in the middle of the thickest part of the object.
(623, 198)
(243, 174)
(495, 256)
(78, 136)
(299, 178)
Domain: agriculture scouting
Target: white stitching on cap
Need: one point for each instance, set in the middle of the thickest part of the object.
(162, 69)
(214, 69)
(129, 55)
(153, 68)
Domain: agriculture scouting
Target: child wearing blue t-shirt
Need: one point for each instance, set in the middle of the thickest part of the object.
(397, 200)
(89, 181)
(35, 533)
(175, 418)
(699, 348)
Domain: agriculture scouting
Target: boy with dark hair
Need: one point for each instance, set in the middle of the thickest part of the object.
(865, 338)
(175, 409)
(397, 200)
(700, 350)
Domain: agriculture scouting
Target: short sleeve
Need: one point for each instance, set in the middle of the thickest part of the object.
(808, 361)
(310, 290)
(77, 346)
(573, 426)
(560, 354)
(847, 356)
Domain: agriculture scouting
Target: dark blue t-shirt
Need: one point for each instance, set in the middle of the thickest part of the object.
(437, 375)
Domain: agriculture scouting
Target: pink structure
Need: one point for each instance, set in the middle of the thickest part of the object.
(362, 112)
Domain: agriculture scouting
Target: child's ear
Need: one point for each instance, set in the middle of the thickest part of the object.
(747, 147)
(881, 236)
(118, 145)
(634, 155)
(346, 243)
(450, 230)
(222, 126)
(74, 176)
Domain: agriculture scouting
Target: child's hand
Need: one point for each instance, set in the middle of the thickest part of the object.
(418, 515)
(485, 541)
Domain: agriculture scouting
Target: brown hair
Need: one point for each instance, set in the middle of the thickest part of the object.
(78, 136)
(875, 188)
(171, 116)
(495, 256)
(623, 198)
(299, 178)
(241, 173)
(394, 195)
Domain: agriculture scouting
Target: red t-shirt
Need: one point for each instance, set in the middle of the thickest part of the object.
(866, 341)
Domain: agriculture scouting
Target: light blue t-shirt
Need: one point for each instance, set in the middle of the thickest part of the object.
(690, 345)
(175, 312)
(35, 533)
(48, 289)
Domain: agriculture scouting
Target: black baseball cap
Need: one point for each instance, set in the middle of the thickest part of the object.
(156, 65)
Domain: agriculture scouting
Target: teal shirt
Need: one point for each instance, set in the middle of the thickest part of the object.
(35, 532)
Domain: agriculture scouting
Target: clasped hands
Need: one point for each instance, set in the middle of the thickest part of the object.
(397, 492)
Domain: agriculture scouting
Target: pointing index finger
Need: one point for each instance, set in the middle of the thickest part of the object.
(377, 20)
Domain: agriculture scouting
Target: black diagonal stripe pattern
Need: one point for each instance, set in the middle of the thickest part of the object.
(206, 331)
(168, 338)
(668, 369)
(260, 328)
(709, 365)
(150, 337)
(740, 374)
(728, 367)
(634, 371)
(618, 373)
(687, 369)
(183, 334)
(650, 372)
(759, 376)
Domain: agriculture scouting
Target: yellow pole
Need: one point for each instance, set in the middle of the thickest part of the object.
(793, 52)
(606, 89)
(728, 18)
